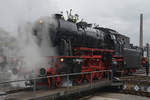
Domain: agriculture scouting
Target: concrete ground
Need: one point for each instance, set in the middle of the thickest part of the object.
(116, 96)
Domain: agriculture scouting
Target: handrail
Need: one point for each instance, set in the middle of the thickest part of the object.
(71, 74)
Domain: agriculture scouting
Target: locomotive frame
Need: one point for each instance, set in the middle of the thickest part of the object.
(88, 62)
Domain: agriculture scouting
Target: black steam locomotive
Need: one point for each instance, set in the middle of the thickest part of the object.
(80, 46)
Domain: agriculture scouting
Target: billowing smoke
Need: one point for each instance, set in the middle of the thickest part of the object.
(35, 44)
(23, 52)
(30, 50)
(43, 29)
(7, 44)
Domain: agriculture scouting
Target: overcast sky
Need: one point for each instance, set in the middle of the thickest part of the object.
(121, 15)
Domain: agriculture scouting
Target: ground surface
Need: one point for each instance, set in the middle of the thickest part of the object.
(116, 96)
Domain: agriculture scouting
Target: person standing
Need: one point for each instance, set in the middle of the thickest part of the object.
(147, 68)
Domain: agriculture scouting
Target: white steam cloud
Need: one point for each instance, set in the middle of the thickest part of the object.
(22, 52)
(34, 55)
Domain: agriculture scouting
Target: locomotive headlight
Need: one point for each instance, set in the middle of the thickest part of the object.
(41, 21)
(62, 59)
(42, 71)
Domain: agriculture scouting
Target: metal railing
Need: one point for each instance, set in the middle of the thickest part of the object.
(107, 75)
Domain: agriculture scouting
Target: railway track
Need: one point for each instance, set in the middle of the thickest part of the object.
(136, 85)
(14, 90)
(48, 94)
(18, 90)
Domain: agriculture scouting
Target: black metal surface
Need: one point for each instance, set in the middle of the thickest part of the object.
(132, 58)
(66, 35)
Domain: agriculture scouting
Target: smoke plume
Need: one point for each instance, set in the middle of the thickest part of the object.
(23, 53)
(36, 49)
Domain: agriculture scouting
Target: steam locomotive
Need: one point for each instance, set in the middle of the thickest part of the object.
(83, 48)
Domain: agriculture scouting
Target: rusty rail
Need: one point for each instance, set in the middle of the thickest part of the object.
(137, 85)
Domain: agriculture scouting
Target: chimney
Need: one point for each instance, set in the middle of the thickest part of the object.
(141, 31)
